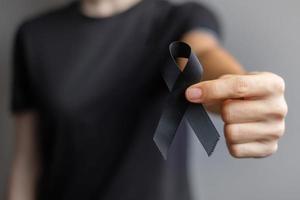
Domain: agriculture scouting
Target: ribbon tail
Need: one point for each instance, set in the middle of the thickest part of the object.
(169, 122)
(203, 127)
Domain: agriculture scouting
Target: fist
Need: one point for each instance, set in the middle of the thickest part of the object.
(252, 107)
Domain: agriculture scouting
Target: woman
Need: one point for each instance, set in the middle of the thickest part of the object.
(87, 96)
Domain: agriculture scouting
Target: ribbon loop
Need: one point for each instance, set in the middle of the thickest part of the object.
(178, 107)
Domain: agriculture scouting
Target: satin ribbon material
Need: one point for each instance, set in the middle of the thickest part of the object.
(178, 107)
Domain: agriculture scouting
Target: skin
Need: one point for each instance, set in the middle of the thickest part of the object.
(252, 105)
(25, 165)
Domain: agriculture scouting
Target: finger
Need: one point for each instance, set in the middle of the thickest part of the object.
(231, 75)
(253, 149)
(235, 86)
(243, 111)
(250, 132)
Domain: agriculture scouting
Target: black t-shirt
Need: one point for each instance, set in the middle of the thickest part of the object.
(96, 85)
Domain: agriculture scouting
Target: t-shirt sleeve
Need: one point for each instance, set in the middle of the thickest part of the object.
(195, 16)
(22, 98)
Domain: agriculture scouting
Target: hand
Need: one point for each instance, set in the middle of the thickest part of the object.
(253, 109)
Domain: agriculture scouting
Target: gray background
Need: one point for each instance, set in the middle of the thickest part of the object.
(264, 36)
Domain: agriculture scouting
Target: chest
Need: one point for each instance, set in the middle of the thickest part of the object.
(84, 73)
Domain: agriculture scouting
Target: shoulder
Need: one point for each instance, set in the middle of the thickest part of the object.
(187, 11)
(195, 15)
(194, 9)
(178, 11)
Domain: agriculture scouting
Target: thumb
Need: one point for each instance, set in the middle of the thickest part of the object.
(231, 87)
(194, 94)
(208, 92)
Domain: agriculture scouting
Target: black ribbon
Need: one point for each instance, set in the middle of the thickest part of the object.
(178, 107)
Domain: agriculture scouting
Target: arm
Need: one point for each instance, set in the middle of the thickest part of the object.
(251, 105)
(25, 165)
(215, 59)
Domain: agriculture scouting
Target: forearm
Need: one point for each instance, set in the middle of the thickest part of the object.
(25, 165)
(217, 62)
(22, 181)
(215, 59)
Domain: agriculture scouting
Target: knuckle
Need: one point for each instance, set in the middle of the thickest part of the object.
(213, 92)
(279, 83)
(232, 133)
(272, 149)
(226, 112)
(280, 109)
(278, 131)
(276, 83)
(284, 108)
(235, 151)
(269, 149)
(241, 86)
(208, 91)
(281, 128)
(275, 148)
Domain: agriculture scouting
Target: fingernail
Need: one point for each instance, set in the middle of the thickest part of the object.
(193, 93)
